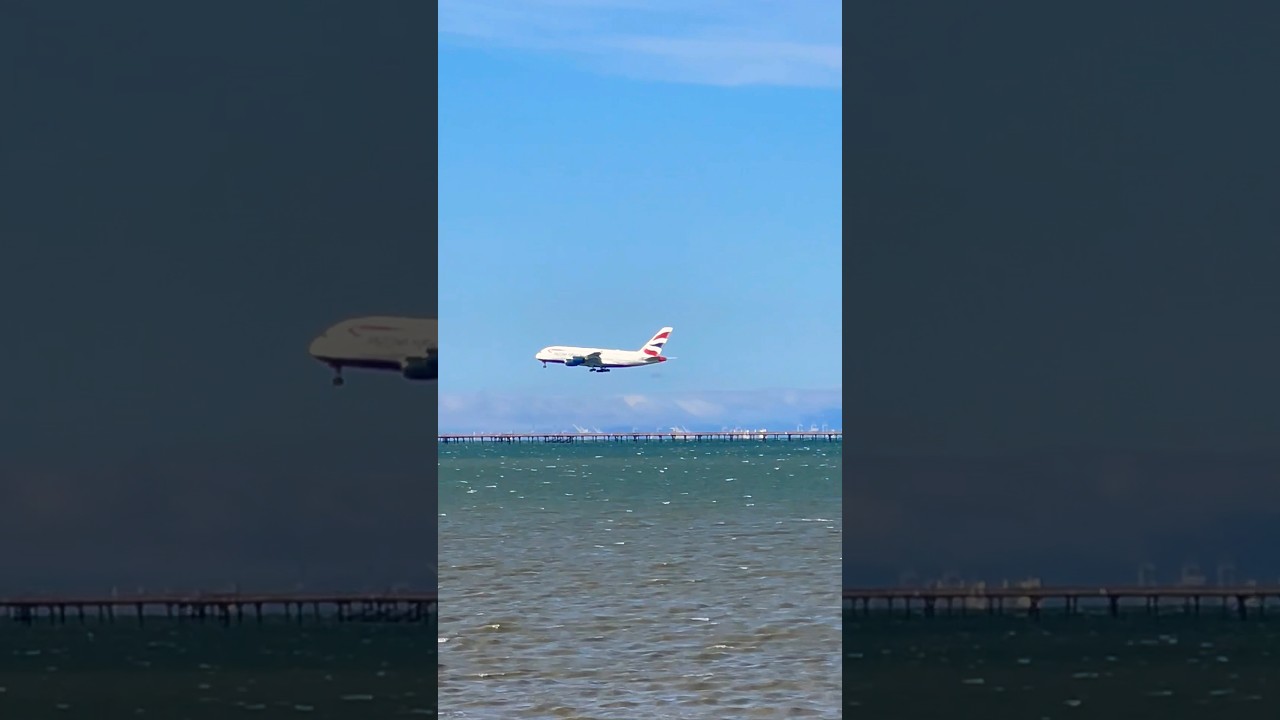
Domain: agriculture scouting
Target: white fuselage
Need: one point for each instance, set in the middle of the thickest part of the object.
(403, 344)
(608, 358)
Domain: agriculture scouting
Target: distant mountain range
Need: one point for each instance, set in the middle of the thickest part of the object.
(821, 420)
(777, 409)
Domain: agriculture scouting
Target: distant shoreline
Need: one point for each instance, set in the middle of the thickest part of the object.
(685, 436)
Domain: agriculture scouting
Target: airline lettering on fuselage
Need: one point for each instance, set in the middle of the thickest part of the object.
(393, 341)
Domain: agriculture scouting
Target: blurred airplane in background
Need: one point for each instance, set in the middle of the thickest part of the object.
(404, 344)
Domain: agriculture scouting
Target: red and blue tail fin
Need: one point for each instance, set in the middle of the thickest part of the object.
(653, 348)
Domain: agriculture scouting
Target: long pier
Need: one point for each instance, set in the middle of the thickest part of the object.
(825, 435)
(225, 607)
(1033, 601)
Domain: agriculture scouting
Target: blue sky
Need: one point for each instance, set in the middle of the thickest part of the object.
(610, 167)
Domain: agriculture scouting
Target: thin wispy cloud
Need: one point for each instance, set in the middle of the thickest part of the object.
(715, 42)
(769, 409)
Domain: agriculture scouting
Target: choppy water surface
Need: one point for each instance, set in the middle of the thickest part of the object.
(173, 671)
(636, 580)
(1065, 667)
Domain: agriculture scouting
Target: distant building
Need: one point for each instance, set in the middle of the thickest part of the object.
(977, 597)
(1191, 576)
(1226, 574)
(1025, 584)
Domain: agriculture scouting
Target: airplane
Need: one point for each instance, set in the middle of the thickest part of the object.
(404, 344)
(601, 360)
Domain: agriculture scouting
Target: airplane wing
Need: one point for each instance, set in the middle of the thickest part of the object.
(592, 360)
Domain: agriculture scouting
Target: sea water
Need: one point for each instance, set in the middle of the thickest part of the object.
(640, 580)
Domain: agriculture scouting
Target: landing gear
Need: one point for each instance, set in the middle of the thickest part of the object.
(598, 369)
(337, 376)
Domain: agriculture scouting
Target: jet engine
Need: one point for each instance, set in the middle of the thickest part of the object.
(421, 368)
(574, 361)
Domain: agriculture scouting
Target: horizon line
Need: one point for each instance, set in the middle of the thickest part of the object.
(614, 430)
(835, 436)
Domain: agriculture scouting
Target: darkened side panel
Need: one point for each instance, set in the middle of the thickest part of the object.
(191, 193)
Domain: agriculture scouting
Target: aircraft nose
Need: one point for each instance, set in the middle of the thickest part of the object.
(317, 346)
